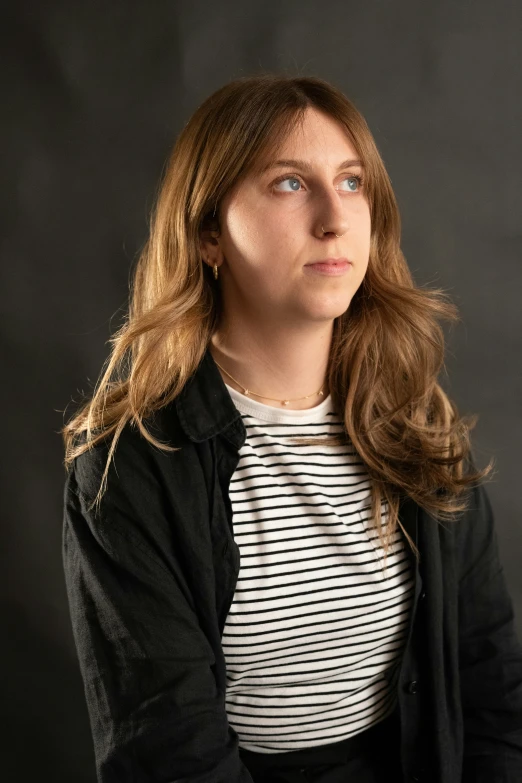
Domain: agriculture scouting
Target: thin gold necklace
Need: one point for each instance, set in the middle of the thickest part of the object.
(247, 392)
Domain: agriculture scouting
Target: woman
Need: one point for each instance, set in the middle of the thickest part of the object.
(280, 559)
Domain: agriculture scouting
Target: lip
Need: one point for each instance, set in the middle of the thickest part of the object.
(330, 266)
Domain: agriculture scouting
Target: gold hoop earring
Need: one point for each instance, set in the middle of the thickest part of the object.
(215, 271)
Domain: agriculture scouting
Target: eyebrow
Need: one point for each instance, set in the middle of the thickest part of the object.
(302, 164)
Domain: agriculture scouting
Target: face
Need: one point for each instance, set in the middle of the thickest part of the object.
(272, 229)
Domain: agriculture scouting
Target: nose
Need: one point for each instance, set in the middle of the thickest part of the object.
(331, 218)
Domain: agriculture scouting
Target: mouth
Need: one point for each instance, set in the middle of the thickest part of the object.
(329, 266)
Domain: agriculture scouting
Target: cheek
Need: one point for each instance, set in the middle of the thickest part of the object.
(361, 215)
(252, 236)
(363, 224)
(243, 232)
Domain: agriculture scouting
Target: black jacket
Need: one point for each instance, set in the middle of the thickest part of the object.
(151, 578)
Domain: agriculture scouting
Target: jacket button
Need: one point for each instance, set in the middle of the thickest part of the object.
(423, 595)
(412, 687)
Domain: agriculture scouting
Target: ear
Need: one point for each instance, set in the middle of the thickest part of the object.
(210, 247)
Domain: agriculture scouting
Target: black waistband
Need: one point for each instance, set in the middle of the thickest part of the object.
(383, 735)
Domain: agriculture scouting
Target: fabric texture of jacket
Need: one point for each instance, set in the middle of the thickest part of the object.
(150, 579)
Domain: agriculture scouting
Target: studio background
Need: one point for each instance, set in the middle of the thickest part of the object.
(94, 95)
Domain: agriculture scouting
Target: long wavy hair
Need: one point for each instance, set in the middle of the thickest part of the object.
(387, 349)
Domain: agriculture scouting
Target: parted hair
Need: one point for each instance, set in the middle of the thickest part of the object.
(387, 349)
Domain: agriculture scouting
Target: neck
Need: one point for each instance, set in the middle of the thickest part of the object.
(280, 362)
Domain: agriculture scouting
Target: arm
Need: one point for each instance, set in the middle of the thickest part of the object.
(490, 655)
(156, 713)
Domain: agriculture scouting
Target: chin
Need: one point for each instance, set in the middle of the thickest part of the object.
(328, 311)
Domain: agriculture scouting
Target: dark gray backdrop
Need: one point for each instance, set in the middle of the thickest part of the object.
(93, 96)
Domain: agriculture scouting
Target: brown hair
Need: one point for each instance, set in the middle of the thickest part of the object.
(387, 348)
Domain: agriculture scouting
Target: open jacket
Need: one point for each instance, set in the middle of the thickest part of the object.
(151, 577)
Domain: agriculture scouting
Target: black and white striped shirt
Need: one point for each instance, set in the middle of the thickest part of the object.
(315, 621)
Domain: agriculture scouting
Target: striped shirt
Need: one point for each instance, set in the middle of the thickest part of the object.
(316, 620)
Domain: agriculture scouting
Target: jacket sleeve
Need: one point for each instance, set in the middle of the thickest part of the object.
(490, 655)
(156, 714)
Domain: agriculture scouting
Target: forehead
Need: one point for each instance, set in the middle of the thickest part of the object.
(316, 137)
(314, 128)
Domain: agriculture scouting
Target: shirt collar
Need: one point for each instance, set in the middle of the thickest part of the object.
(205, 407)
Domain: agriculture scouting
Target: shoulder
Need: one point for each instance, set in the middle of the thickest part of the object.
(475, 531)
(468, 541)
(150, 497)
(136, 463)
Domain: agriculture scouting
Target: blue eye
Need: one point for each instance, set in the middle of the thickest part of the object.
(355, 177)
(293, 178)
(289, 179)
